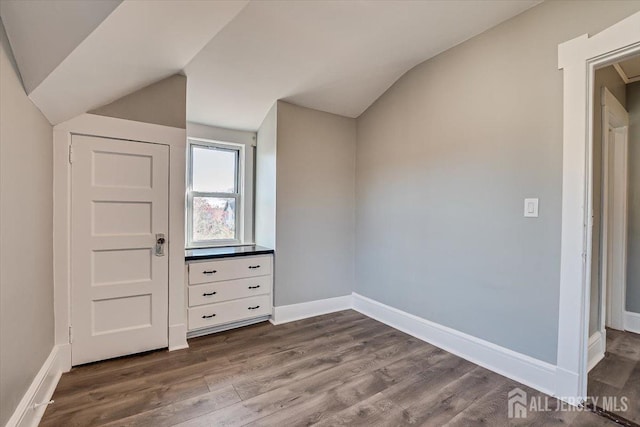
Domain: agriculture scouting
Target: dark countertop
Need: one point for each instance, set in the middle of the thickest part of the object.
(225, 252)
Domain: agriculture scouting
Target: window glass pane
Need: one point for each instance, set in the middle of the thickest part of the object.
(214, 218)
(214, 170)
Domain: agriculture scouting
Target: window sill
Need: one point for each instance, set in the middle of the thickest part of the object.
(225, 252)
(224, 245)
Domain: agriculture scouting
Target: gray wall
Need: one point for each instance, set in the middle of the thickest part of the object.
(161, 103)
(306, 177)
(444, 160)
(26, 237)
(633, 242)
(315, 220)
(605, 77)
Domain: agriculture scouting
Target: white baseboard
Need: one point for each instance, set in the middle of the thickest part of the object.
(519, 367)
(566, 387)
(64, 356)
(632, 322)
(596, 349)
(27, 414)
(289, 313)
(178, 337)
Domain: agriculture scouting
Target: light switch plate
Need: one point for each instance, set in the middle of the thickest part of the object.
(531, 208)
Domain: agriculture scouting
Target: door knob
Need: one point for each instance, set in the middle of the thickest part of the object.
(160, 241)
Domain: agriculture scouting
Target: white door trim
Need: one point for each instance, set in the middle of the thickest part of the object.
(90, 124)
(597, 343)
(578, 58)
(614, 218)
(632, 322)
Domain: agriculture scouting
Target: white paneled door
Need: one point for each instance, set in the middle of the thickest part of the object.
(119, 262)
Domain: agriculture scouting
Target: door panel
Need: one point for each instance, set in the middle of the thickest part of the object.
(122, 218)
(119, 286)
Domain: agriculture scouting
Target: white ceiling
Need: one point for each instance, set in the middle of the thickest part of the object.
(333, 56)
(239, 56)
(139, 43)
(43, 32)
(631, 68)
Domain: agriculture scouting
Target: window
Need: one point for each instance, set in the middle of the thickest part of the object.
(214, 194)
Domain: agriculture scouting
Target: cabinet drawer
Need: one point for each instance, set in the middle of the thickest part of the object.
(230, 311)
(229, 269)
(224, 291)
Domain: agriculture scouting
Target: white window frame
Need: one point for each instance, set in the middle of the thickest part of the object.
(238, 196)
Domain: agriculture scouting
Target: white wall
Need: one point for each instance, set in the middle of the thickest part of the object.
(214, 133)
(55, 29)
(26, 237)
(445, 159)
(265, 206)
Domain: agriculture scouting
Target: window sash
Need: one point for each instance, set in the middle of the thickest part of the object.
(220, 147)
(237, 196)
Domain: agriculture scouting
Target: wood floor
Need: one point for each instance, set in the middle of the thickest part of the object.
(338, 369)
(618, 374)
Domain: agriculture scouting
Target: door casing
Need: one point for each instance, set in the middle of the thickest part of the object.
(613, 230)
(615, 122)
(109, 127)
(578, 59)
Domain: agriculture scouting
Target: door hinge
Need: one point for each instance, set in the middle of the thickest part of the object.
(71, 154)
(70, 334)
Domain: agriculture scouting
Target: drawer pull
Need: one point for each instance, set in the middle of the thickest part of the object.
(209, 316)
(253, 266)
(254, 287)
(209, 272)
(252, 308)
(208, 294)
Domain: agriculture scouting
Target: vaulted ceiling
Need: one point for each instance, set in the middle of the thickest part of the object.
(239, 56)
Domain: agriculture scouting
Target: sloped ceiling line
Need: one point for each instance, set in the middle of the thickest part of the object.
(241, 56)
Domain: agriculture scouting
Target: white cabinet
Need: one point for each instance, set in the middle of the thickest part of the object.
(228, 292)
(228, 312)
(229, 269)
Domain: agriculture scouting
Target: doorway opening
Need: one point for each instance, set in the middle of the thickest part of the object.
(614, 341)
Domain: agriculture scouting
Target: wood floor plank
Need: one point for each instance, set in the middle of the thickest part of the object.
(266, 364)
(284, 375)
(287, 398)
(316, 406)
(421, 386)
(617, 376)
(189, 366)
(245, 412)
(626, 344)
(378, 410)
(336, 388)
(181, 411)
(126, 404)
(289, 339)
(441, 405)
(613, 370)
(79, 384)
(337, 369)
